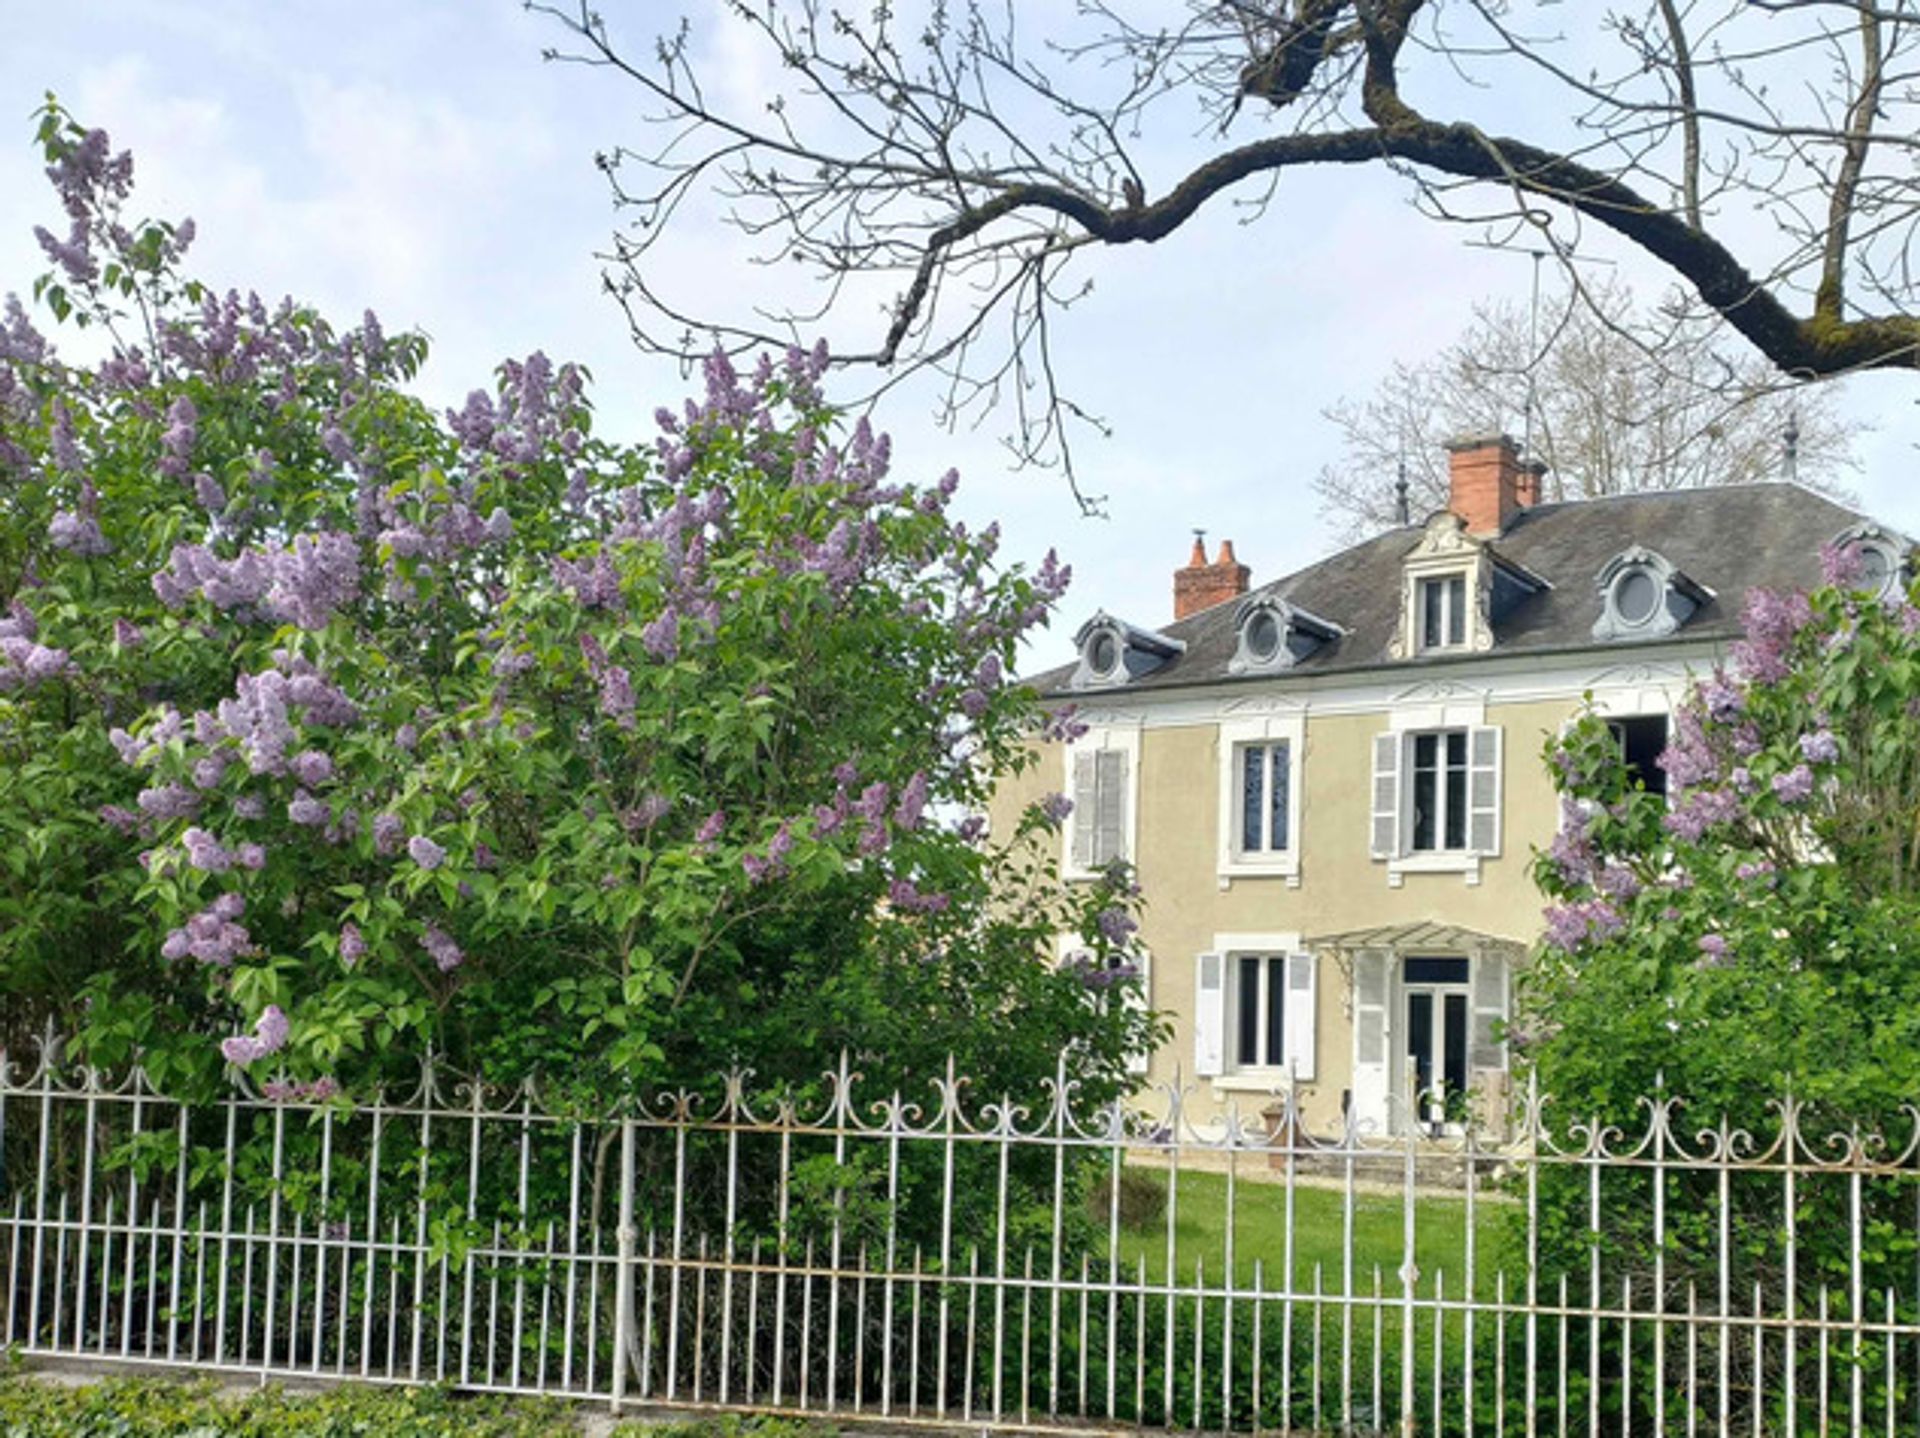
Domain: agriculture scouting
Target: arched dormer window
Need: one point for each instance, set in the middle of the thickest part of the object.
(1643, 596)
(1273, 635)
(1114, 652)
(1882, 558)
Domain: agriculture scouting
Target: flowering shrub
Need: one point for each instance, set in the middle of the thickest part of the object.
(1752, 933)
(332, 728)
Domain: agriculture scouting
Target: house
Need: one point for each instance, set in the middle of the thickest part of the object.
(1332, 785)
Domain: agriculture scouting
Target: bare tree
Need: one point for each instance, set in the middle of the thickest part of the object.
(1610, 398)
(964, 153)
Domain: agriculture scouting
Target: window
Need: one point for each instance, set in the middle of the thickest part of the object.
(1436, 797)
(1439, 803)
(1266, 782)
(1260, 1010)
(1443, 612)
(1255, 1001)
(1642, 739)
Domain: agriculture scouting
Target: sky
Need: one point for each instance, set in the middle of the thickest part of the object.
(421, 160)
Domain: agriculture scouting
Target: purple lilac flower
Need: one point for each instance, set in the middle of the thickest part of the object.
(972, 829)
(314, 577)
(1713, 950)
(126, 635)
(424, 852)
(1723, 699)
(1617, 881)
(711, 827)
(77, 533)
(1819, 747)
(1795, 786)
(306, 810)
(213, 936)
(873, 838)
(1116, 925)
(406, 737)
(312, 768)
(1772, 621)
(169, 801)
(1570, 926)
(250, 806)
(973, 703)
(205, 852)
(1755, 869)
(388, 833)
(115, 817)
(616, 695)
(757, 869)
(1056, 807)
(651, 809)
(251, 856)
(661, 638)
(269, 1036)
(444, 951)
(872, 804)
(913, 802)
(1699, 811)
(353, 946)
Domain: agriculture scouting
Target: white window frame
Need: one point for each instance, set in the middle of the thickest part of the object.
(1235, 737)
(1467, 712)
(1443, 814)
(1230, 1074)
(1442, 585)
(1126, 740)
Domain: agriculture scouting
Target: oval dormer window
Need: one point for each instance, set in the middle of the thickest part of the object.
(1263, 635)
(1636, 595)
(1879, 559)
(1271, 634)
(1114, 652)
(1103, 654)
(1642, 596)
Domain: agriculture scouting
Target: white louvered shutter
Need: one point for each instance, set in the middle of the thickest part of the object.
(1483, 789)
(1110, 830)
(1489, 1010)
(1085, 787)
(1370, 1037)
(1140, 998)
(1302, 1013)
(1209, 1014)
(1386, 796)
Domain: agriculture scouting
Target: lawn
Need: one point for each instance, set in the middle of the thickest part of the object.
(1319, 1236)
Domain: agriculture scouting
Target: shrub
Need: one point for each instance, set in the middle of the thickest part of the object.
(1143, 1198)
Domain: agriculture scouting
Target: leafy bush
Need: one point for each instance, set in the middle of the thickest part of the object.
(333, 729)
(1143, 1198)
(168, 1408)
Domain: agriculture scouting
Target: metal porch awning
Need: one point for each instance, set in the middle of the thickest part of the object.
(1421, 934)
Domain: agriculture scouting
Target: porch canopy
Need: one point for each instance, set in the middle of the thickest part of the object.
(1422, 934)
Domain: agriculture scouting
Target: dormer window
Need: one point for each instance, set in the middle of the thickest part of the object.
(1443, 612)
(1274, 635)
(1453, 589)
(1112, 652)
(1642, 596)
(1880, 557)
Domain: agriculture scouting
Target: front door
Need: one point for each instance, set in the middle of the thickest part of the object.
(1435, 992)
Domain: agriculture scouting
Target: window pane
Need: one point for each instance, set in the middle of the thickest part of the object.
(1423, 804)
(1249, 1026)
(1436, 971)
(1456, 1027)
(1277, 1009)
(1252, 759)
(1430, 616)
(1456, 611)
(1420, 1038)
(1281, 789)
(1456, 805)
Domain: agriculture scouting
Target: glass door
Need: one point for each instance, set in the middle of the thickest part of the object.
(1436, 991)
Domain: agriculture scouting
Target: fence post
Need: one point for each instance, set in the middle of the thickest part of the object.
(623, 1277)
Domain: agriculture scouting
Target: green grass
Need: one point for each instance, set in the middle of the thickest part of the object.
(1319, 1236)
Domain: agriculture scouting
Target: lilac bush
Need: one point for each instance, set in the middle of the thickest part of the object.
(332, 727)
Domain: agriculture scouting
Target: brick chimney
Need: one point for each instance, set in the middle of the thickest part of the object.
(1533, 474)
(1202, 585)
(1487, 484)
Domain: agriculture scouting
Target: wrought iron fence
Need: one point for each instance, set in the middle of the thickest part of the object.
(983, 1261)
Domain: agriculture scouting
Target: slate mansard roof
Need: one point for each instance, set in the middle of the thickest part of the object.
(1728, 539)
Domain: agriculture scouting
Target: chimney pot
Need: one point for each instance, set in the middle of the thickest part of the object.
(1201, 585)
(1484, 483)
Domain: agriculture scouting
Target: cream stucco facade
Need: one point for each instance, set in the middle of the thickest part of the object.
(1407, 957)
